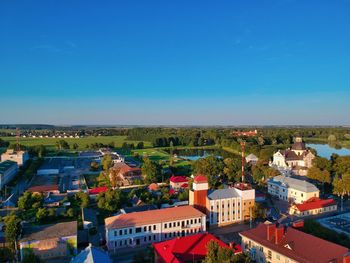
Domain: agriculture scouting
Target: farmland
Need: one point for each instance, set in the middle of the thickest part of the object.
(81, 142)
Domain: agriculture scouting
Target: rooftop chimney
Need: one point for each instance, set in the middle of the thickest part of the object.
(346, 258)
(279, 235)
(271, 228)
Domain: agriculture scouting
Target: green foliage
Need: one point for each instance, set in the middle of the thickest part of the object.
(218, 254)
(231, 169)
(6, 255)
(82, 199)
(107, 162)
(94, 166)
(111, 200)
(29, 201)
(312, 227)
(30, 257)
(12, 229)
(41, 214)
(151, 171)
(259, 211)
(62, 145)
(184, 195)
(212, 167)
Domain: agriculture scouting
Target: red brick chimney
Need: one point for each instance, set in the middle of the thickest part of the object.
(279, 233)
(271, 228)
(346, 258)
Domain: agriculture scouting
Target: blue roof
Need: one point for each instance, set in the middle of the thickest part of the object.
(92, 255)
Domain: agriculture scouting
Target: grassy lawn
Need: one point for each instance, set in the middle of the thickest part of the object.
(153, 153)
(82, 142)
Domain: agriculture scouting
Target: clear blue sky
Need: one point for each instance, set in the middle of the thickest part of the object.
(175, 62)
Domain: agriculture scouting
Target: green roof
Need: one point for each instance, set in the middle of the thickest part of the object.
(4, 166)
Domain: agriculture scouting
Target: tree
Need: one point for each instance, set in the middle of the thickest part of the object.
(140, 145)
(62, 145)
(41, 214)
(332, 138)
(75, 146)
(218, 254)
(70, 212)
(210, 166)
(29, 201)
(114, 177)
(232, 166)
(259, 211)
(30, 257)
(151, 171)
(94, 166)
(107, 162)
(82, 199)
(12, 229)
(111, 200)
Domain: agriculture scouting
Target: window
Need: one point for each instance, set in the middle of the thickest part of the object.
(199, 220)
(144, 228)
(154, 227)
(149, 238)
(269, 254)
(149, 228)
(165, 235)
(154, 237)
(165, 225)
(125, 231)
(195, 221)
(138, 230)
(115, 233)
(120, 232)
(130, 231)
(178, 223)
(191, 221)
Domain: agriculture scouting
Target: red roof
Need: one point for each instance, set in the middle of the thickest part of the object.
(315, 203)
(185, 185)
(153, 187)
(187, 248)
(97, 190)
(171, 191)
(297, 245)
(178, 179)
(200, 179)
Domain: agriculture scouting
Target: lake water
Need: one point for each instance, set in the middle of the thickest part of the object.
(324, 150)
(195, 154)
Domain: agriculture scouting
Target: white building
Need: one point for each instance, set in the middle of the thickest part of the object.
(251, 159)
(20, 157)
(222, 206)
(290, 189)
(8, 170)
(143, 228)
(297, 158)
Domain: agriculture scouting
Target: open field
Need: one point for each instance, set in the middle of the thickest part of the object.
(82, 142)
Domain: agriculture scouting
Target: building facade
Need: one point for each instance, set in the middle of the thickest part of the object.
(143, 228)
(291, 189)
(178, 182)
(223, 206)
(269, 243)
(313, 206)
(8, 170)
(20, 157)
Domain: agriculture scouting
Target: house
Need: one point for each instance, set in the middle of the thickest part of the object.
(20, 157)
(222, 206)
(8, 170)
(44, 189)
(143, 228)
(270, 243)
(127, 175)
(89, 218)
(178, 182)
(57, 241)
(245, 133)
(291, 189)
(251, 159)
(297, 158)
(187, 249)
(92, 255)
(313, 206)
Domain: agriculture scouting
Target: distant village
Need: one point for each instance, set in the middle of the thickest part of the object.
(104, 206)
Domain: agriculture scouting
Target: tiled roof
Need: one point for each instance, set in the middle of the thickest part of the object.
(294, 183)
(298, 146)
(303, 248)
(200, 179)
(178, 179)
(97, 190)
(187, 248)
(152, 217)
(315, 203)
(43, 188)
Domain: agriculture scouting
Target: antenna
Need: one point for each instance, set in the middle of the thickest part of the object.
(243, 160)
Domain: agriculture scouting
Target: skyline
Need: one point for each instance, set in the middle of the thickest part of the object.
(175, 63)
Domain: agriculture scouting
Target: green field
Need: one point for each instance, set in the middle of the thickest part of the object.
(82, 142)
